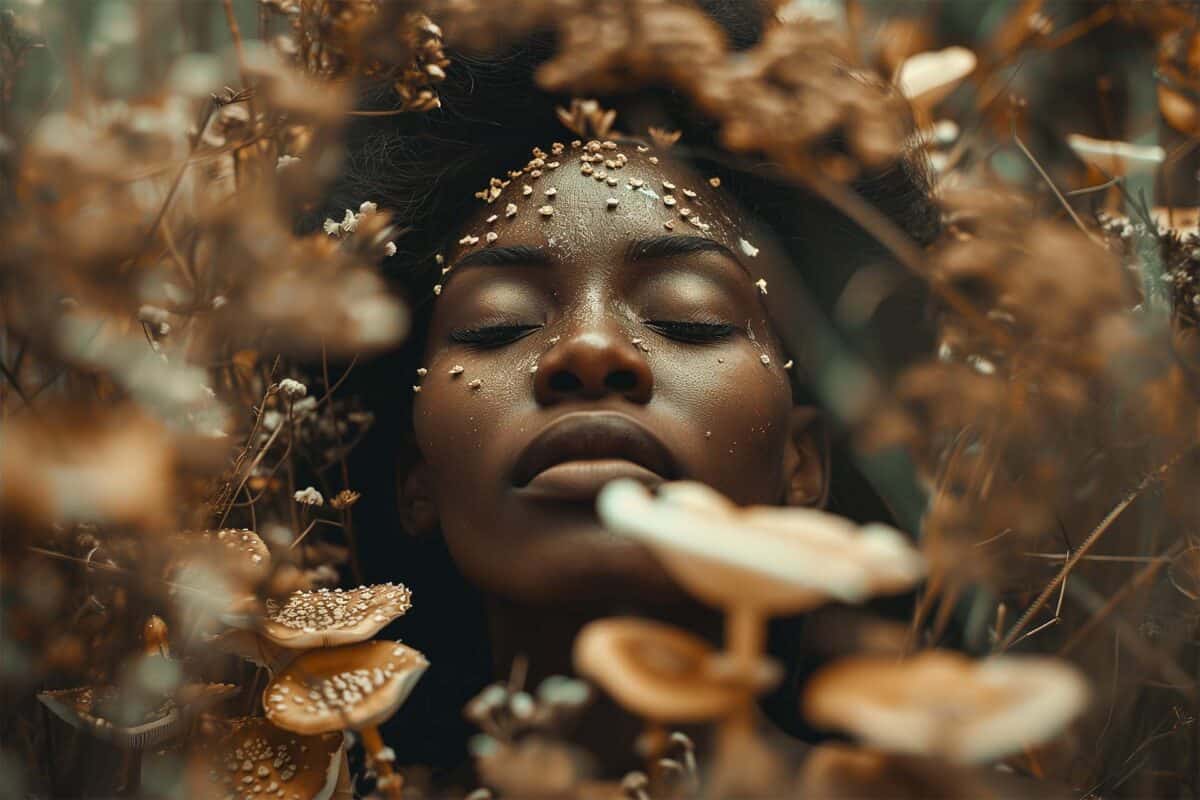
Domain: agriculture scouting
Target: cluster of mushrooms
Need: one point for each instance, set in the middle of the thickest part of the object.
(786, 561)
(327, 677)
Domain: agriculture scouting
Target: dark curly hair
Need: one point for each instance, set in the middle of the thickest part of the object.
(425, 168)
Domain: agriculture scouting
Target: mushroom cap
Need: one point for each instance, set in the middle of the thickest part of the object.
(654, 670)
(945, 704)
(90, 708)
(330, 617)
(777, 560)
(236, 552)
(257, 760)
(335, 688)
(925, 79)
(1116, 157)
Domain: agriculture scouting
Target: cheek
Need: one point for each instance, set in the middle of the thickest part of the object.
(741, 408)
(458, 422)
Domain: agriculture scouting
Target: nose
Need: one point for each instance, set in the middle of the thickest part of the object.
(592, 364)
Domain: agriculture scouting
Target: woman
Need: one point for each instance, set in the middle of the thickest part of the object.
(575, 329)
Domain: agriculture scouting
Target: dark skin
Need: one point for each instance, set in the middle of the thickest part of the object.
(662, 329)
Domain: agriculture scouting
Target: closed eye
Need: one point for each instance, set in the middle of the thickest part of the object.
(691, 331)
(491, 335)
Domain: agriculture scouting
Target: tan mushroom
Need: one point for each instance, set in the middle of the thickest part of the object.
(945, 704)
(925, 79)
(1116, 158)
(353, 687)
(258, 761)
(107, 714)
(754, 563)
(656, 671)
(330, 617)
(759, 561)
(310, 619)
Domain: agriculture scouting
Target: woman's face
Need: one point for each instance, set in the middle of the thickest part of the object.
(587, 340)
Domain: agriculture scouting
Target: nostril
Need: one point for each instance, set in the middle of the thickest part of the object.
(621, 380)
(564, 381)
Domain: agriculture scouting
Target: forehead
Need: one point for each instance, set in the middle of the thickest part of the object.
(582, 199)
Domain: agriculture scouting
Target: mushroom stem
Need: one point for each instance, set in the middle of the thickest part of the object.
(390, 781)
(745, 638)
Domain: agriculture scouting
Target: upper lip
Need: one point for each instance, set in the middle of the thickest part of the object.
(592, 435)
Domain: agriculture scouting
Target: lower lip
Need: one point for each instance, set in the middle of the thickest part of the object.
(581, 481)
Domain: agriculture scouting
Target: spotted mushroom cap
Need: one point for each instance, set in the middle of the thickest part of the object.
(329, 617)
(235, 552)
(654, 670)
(340, 688)
(258, 761)
(776, 560)
(944, 704)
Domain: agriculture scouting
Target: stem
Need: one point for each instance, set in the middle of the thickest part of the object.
(390, 782)
(1087, 545)
(745, 638)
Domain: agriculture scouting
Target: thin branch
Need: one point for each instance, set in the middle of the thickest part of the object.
(1087, 545)
(1053, 188)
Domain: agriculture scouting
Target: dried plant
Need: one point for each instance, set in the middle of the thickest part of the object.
(177, 511)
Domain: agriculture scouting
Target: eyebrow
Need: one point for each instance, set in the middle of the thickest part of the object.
(674, 245)
(640, 250)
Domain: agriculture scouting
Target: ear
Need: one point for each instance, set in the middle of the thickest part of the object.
(418, 513)
(806, 459)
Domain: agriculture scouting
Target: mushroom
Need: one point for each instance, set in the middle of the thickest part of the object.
(1116, 158)
(258, 761)
(215, 572)
(319, 618)
(330, 617)
(132, 717)
(758, 561)
(107, 714)
(944, 704)
(656, 671)
(354, 687)
(925, 79)
(754, 563)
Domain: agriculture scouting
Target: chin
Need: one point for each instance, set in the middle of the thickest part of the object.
(581, 566)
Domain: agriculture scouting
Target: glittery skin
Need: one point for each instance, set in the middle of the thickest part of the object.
(723, 414)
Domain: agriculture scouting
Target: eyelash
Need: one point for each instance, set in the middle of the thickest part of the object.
(692, 331)
(492, 335)
(685, 331)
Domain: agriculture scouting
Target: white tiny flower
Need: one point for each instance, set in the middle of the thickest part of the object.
(285, 161)
(748, 248)
(389, 249)
(761, 283)
(309, 497)
(331, 227)
(292, 388)
(219, 301)
(304, 407)
(367, 208)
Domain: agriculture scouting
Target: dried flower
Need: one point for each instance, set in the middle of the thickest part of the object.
(308, 497)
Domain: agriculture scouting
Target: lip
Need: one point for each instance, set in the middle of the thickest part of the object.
(574, 456)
